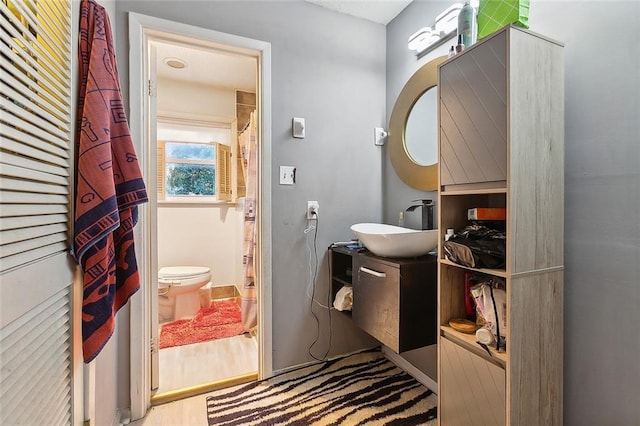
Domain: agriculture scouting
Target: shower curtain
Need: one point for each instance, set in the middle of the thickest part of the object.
(249, 303)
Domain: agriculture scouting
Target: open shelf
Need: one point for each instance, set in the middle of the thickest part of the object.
(395, 303)
(347, 314)
(468, 341)
(496, 272)
(341, 261)
(455, 192)
(493, 155)
(342, 279)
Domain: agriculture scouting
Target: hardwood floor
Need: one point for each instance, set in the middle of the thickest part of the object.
(185, 412)
(191, 365)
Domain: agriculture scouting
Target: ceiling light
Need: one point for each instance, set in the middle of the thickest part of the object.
(175, 63)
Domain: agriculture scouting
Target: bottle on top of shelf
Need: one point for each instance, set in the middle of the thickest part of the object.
(467, 25)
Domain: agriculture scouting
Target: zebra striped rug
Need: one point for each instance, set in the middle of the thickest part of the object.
(360, 389)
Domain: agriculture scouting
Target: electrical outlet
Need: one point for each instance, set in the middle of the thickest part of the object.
(313, 208)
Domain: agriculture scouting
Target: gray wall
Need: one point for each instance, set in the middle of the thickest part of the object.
(602, 195)
(401, 64)
(397, 196)
(602, 205)
(330, 69)
(320, 59)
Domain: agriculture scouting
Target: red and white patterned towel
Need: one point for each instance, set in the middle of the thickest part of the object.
(109, 184)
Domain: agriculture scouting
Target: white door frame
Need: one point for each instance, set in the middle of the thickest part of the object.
(141, 27)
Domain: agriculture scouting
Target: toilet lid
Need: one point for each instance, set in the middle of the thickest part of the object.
(176, 272)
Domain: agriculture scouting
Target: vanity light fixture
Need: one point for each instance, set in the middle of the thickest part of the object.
(428, 38)
(422, 39)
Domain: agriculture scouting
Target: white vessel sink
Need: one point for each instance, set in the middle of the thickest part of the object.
(395, 241)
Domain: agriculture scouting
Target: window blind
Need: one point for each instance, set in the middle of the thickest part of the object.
(161, 176)
(35, 107)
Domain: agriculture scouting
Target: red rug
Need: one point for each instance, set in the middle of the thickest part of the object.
(221, 320)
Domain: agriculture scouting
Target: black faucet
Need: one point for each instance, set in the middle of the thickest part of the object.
(427, 212)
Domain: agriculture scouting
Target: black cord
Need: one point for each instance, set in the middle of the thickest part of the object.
(495, 312)
(313, 298)
(329, 304)
(313, 293)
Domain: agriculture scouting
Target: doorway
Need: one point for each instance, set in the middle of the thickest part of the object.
(149, 36)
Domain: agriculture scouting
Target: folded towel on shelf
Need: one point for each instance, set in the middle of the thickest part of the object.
(344, 299)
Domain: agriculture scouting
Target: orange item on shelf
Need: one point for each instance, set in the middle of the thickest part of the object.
(487, 213)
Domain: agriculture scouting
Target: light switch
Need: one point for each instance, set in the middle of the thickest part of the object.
(287, 175)
(297, 128)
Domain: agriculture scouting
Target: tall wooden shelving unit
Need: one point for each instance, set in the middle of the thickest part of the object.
(501, 144)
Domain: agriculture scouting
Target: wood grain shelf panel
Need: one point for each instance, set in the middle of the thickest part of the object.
(473, 191)
(468, 341)
(475, 392)
(496, 272)
(493, 154)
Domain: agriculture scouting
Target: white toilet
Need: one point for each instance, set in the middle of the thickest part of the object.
(182, 291)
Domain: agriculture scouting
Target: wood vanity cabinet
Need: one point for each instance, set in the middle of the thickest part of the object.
(501, 121)
(394, 300)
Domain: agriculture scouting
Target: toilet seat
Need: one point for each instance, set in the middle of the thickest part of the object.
(182, 291)
(183, 275)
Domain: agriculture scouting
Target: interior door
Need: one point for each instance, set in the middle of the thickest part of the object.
(40, 343)
(143, 309)
(153, 225)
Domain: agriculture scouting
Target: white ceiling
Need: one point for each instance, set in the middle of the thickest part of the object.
(208, 67)
(380, 11)
(234, 71)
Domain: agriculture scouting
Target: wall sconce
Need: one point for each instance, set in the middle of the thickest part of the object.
(428, 38)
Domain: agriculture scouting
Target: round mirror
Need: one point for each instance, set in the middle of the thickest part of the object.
(421, 131)
(413, 132)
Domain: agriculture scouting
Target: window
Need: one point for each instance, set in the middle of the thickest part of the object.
(193, 171)
(190, 169)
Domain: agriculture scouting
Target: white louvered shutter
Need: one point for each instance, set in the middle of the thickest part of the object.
(161, 167)
(35, 273)
(35, 106)
(223, 172)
